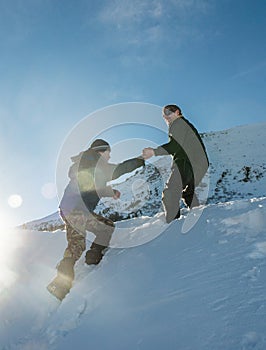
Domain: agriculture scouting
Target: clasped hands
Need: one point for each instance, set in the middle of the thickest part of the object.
(147, 153)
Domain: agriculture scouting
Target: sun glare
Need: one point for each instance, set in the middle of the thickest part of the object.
(49, 190)
(15, 201)
(9, 241)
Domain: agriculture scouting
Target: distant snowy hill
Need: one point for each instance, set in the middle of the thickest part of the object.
(201, 290)
(237, 170)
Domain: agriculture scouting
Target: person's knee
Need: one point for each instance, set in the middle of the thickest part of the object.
(75, 248)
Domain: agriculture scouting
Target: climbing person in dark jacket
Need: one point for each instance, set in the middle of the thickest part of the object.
(190, 162)
(88, 175)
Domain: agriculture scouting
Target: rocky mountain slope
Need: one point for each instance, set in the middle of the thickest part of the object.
(237, 170)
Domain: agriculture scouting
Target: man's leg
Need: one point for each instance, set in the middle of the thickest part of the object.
(190, 197)
(103, 229)
(172, 195)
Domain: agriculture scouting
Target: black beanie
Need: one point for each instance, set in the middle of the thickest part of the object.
(100, 145)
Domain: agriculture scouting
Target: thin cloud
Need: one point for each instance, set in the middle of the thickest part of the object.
(143, 22)
(250, 70)
(128, 12)
(140, 28)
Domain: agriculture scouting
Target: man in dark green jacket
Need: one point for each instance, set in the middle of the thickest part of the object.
(88, 175)
(190, 162)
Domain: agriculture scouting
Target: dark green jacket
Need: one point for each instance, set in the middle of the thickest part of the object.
(186, 145)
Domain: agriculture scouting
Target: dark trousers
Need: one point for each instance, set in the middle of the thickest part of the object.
(180, 185)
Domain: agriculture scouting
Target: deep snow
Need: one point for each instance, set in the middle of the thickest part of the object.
(201, 290)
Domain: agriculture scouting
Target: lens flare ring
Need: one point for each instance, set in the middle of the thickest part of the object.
(118, 124)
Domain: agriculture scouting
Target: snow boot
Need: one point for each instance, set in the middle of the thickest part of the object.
(59, 288)
(94, 255)
(62, 283)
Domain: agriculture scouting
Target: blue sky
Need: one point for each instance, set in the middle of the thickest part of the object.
(62, 60)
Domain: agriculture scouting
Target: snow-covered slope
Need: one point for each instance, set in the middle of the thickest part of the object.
(237, 170)
(204, 290)
(201, 290)
(238, 163)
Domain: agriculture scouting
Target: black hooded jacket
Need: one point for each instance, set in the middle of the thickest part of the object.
(88, 180)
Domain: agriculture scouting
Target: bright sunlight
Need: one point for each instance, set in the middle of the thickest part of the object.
(9, 241)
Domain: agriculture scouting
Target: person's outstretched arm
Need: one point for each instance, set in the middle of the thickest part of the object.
(126, 167)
